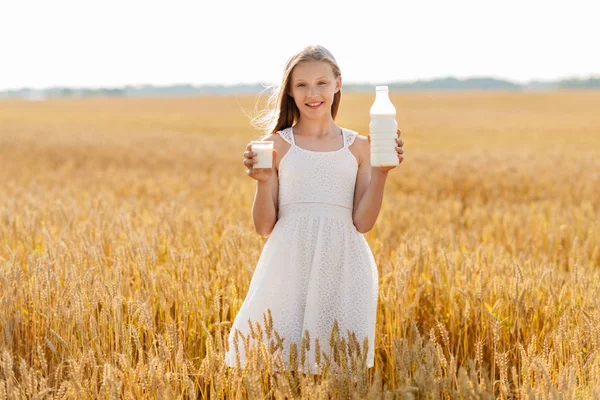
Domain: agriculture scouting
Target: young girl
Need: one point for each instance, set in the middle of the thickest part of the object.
(313, 206)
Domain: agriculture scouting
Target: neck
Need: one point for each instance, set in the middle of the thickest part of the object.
(316, 128)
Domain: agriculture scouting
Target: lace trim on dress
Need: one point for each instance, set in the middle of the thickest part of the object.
(286, 134)
(349, 137)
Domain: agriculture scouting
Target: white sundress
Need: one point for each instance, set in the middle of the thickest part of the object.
(315, 267)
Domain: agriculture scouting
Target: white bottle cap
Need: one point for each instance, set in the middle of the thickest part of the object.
(381, 88)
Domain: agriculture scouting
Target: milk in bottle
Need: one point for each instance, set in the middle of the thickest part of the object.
(383, 130)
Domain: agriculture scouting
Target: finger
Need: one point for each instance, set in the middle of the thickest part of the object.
(400, 150)
(250, 154)
(399, 132)
(249, 146)
(250, 161)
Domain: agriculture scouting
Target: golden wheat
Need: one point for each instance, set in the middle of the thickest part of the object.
(126, 249)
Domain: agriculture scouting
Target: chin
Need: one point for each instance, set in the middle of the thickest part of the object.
(315, 116)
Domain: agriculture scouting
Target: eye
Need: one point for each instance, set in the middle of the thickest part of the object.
(300, 85)
(322, 83)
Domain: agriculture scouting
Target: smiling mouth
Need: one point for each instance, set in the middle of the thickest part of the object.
(314, 105)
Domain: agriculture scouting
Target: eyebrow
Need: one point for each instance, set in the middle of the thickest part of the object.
(322, 77)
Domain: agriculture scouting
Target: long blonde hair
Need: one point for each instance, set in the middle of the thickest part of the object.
(281, 110)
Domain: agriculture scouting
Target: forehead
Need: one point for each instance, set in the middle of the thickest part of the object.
(312, 70)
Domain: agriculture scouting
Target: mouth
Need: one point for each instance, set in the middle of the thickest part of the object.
(314, 106)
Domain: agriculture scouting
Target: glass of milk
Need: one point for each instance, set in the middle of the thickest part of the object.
(264, 153)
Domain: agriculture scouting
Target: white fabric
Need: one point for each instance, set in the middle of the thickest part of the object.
(315, 267)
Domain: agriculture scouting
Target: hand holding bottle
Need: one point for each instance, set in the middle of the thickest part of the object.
(383, 131)
(399, 150)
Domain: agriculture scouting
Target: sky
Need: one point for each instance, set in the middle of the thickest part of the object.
(128, 42)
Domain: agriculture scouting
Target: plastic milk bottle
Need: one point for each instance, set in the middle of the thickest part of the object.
(383, 130)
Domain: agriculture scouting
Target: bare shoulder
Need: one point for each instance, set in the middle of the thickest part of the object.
(360, 148)
(275, 137)
(362, 141)
(280, 145)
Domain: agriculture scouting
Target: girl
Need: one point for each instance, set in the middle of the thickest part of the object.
(321, 195)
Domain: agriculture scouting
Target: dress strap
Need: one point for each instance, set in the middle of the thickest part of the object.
(287, 135)
(349, 137)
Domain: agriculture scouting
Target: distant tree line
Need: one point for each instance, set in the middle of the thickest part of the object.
(581, 83)
(448, 83)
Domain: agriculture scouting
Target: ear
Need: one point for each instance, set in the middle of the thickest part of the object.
(338, 84)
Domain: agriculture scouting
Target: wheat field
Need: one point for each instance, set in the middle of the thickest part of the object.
(127, 247)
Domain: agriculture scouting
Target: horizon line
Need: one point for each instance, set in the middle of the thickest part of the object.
(266, 85)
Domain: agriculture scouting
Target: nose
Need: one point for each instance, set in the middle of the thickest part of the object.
(313, 90)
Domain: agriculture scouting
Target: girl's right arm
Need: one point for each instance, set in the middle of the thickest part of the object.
(264, 208)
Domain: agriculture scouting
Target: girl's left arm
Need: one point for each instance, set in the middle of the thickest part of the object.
(370, 184)
(368, 197)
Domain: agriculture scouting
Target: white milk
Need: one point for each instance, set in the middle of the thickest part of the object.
(381, 149)
(384, 159)
(384, 142)
(383, 126)
(378, 136)
(264, 153)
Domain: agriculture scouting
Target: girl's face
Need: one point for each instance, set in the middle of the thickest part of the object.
(313, 87)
